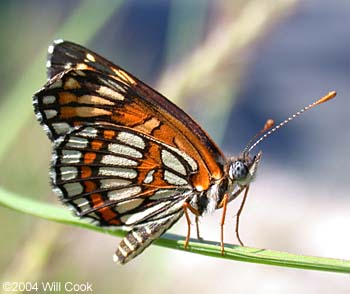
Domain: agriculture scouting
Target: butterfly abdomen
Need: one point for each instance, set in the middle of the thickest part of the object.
(141, 237)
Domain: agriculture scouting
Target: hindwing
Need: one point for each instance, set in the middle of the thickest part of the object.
(118, 176)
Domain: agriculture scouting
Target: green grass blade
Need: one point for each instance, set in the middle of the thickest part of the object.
(232, 252)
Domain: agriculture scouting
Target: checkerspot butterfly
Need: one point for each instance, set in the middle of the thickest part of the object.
(124, 155)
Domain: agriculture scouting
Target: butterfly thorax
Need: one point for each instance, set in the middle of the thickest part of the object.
(208, 200)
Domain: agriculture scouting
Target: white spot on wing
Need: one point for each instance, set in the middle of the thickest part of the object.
(73, 188)
(172, 162)
(174, 179)
(124, 150)
(49, 99)
(90, 57)
(126, 173)
(77, 142)
(71, 83)
(124, 193)
(107, 92)
(82, 203)
(164, 193)
(149, 177)
(50, 113)
(58, 41)
(129, 205)
(50, 49)
(61, 128)
(88, 132)
(71, 156)
(68, 173)
(186, 157)
(117, 160)
(189, 159)
(56, 84)
(114, 183)
(131, 140)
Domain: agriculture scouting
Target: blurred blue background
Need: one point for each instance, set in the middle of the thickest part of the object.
(231, 65)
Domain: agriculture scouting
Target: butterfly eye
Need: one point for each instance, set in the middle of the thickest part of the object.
(238, 171)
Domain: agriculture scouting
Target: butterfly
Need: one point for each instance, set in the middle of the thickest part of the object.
(125, 156)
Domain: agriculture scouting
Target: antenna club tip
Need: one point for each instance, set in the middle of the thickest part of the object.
(327, 97)
(269, 124)
(332, 93)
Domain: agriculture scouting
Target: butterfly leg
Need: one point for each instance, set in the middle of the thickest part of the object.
(186, 206)
(223, 204)
(197, 227)
(239, 214)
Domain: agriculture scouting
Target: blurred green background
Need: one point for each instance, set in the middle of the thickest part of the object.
(231, 65)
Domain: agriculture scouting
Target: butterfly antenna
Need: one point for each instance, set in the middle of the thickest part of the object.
(269, 131)
(268, 125)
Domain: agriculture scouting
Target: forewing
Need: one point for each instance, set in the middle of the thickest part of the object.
(76, 97)
(63, 55)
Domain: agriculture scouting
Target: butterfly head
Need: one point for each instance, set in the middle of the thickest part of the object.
(242, 169)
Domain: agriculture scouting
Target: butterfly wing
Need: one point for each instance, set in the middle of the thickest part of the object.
(63, 55)
(118, 176)
(123, 153)
(92, 89)
(67, 55)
